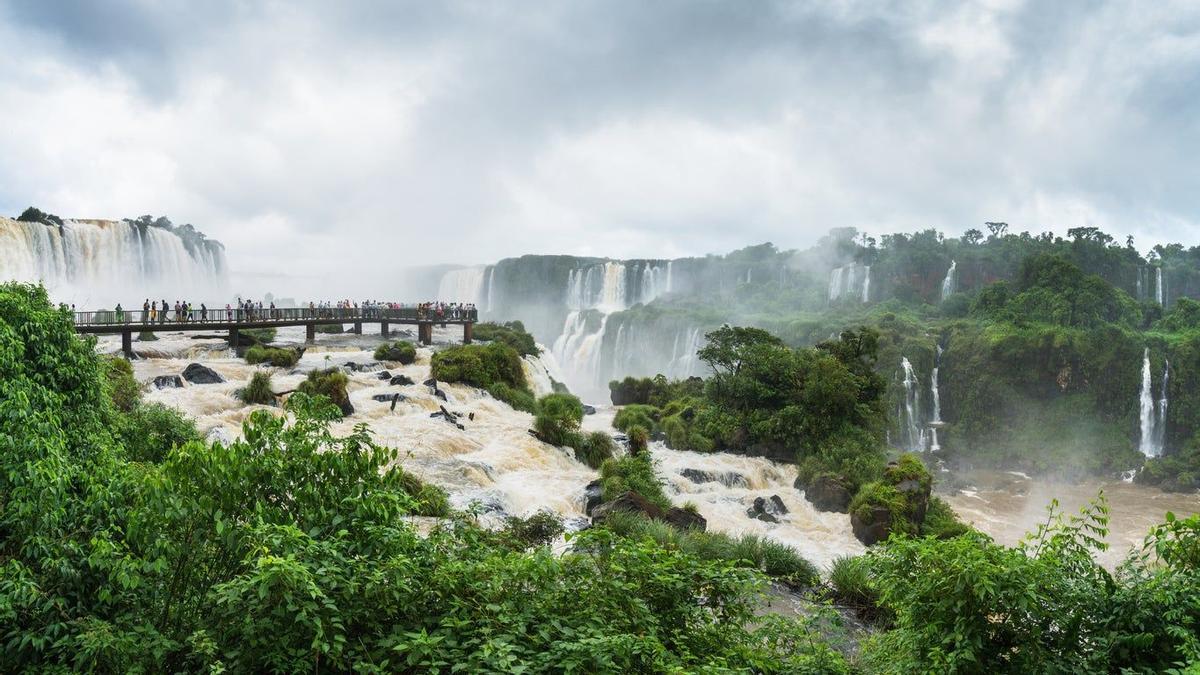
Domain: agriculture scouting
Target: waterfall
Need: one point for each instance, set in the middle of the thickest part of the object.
(948, 284)
(462, 285)
(1160, 425)
(1151, 422)
(577, 350)
(597, 287)
(683, 355)
(1141, 292)
(103, 260)
(844, 281)
(914, 430)
(491, 288)
(933, 386)
(670, 276)
(655, 280)
(1158, 287)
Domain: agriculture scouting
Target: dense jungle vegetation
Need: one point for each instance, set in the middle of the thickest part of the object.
(128, 544)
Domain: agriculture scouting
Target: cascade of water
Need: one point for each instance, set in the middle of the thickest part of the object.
(655, 280)
(1141, 292)
(491, 288)
(948, 284)
(462, 285)
(108, 258)
(934, 446)
(1147, 418)
(1159, 295)
(933, 385)
(866, 287)
(670, 276)
(749, 274)
(1160, 423)
(914, 430)
(835, 283)
(684, 360)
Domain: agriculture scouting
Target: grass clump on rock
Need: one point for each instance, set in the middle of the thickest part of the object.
(258, 390)
(632, 473)
(259, 336)
(512, 334)
(403, 352)
(275, 356)
(495, 367)
(330, 383)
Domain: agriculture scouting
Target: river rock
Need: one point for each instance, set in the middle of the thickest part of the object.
(589, 409)
(384, 375)
(360, 367)
(198, 374)
(431, 382)
(871, 524)
(593, 495)
(684, 519)
(727, 478)
(168, 382)
(401, 380)
(766, 509)
(630, 502)
(390, 398)
(441, 394)
(827, 492)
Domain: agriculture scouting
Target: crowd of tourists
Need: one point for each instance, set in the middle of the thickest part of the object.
(183, 311)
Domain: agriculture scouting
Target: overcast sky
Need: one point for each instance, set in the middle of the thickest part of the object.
(349, 136)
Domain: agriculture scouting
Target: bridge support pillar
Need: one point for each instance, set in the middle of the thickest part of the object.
(127, 343)
(383, 328)
(358, 328)
(468, 332)
(425, 333)
(310, 333)
(234, 338)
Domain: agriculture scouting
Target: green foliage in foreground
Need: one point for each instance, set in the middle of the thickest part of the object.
(258, 390)
(495, 367)
(123, 390)
(276, 356)
(772, 558)
(512, 333)
(151, 430)
(401, 351)
(966, 604)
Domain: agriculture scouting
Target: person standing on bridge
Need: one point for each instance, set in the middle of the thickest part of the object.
(146, 310)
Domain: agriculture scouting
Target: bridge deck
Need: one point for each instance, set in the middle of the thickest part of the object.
(127, 322)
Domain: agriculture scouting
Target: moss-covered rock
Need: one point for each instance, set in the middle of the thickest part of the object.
(275, 356)
(330, 383)
(896, 504)
(400, 351)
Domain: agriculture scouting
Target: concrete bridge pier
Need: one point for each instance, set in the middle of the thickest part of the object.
(310, 333)
(468, 333)
(358, 328)
(383, 328)
(127, 343)
(425, 333)
(234, 338)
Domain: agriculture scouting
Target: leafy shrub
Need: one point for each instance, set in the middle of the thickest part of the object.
(656, 391)
(258, 390)
(401, 351)
(850, 579)
(1179, 472)
(558, 418)
(330, 383)
(329, 328)
(123, 390)
(480, 365)
(512, 334)
(151, 430)
(540, 529)
(639, 440)
(276, 356)
(259, 336)
(941, 521)
(516, 398)
(636, 414)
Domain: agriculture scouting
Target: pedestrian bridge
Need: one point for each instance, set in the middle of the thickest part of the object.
(126, 322)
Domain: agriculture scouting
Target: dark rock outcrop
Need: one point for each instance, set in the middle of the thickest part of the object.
(871, 524)
(766, 509)
(727, 478)
(384, 375)
(401, 380)
(589, 409)
(198, 374)
(684, 519)
(431, 382)
(827, 492)
(630, 502)
(592, 496)
(360, 367)
(168, 382)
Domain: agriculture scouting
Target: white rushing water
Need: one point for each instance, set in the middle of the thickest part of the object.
(850, 281)
(464, 285)
(949, 283)
(1159, 293)
(911, 422)
(933, 386)
(866, 287)
(1152, 412)
(96, 263)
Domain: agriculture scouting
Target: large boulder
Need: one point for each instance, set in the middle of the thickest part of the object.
(401, 380)
(871, 524)
(593, 496)
(168, 382)
(198, 374)
(630, 502)
(767, 509)
(827, 492)
(589, 409)
(384, 375)
(683, 519)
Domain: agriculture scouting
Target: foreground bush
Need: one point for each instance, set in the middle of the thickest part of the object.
(151, 430)
(275, 356)
(401, 351)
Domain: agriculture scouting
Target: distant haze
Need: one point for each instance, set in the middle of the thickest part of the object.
(327, 144)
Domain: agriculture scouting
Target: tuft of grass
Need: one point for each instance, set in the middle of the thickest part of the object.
(259, 336)
(330, 383)
(851, 583)
(258, 390)
(276, 356)
(595, 448)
